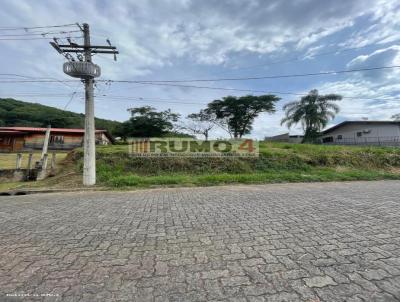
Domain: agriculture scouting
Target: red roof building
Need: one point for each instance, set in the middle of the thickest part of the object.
(14, 139)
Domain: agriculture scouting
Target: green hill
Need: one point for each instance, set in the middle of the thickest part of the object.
(19, 113)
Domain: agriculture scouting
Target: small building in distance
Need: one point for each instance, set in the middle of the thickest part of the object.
(284, 138)
(381, 133)
(14, 139)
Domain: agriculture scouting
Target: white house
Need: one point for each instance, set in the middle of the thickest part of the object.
(363, 133)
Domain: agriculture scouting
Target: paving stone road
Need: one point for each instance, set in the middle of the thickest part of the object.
(288, 242)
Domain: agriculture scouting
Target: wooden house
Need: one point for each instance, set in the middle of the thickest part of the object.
(15, 139)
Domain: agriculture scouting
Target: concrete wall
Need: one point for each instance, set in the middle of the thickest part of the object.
(285, 138)
(296, 139)
(371, 133)
(278, 138)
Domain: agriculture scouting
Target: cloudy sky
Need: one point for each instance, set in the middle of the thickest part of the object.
(208, 39)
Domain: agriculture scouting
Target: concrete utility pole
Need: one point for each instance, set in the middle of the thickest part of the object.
(89, 147)
(87, 71)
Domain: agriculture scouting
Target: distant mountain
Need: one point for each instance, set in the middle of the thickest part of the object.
(19, 113)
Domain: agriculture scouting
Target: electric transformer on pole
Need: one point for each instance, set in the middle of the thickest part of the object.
(86, 70)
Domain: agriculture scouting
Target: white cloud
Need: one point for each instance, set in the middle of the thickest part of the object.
(151, 34)
(377, 102)
(384, 22)
(187, 38)
(386, 57)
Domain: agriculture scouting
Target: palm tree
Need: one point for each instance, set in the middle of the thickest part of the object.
(313, 111)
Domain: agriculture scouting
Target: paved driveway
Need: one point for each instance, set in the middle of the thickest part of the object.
(294, 242)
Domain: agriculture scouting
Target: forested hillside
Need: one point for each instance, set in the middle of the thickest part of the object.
(19, 113)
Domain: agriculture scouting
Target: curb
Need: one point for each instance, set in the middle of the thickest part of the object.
(28, 191)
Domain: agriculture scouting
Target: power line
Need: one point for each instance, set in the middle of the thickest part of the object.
(208, 87)
(37, 27)
(30, 77)
(300, 58)
(40, 38)
(258, 91)
(39, 81)
(166, 82)
(149, 100)
(195, 86)
(108, 97)
(233, 89)
(267, 76)
(39, 34)
(72, 96)
(158, 84)
(115, 98)
(70, 100)
(298, 94)
(176, 100)
(223, 88)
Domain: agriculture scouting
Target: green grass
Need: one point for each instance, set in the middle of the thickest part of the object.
(322, 175)
(278, 162)
(5, 186)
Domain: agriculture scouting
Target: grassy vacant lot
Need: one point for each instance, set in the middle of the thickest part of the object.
(278, 162)
(8, 160)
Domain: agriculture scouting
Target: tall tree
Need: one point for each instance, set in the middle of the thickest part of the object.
(199, 123)
(396, 117)
(147, 122)
(239, 112)
(313, 111)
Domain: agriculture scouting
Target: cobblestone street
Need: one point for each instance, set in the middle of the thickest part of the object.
(285, 242)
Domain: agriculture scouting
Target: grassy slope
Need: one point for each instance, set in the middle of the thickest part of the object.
(278, 162)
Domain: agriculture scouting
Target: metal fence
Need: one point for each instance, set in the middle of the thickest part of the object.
(393, 141)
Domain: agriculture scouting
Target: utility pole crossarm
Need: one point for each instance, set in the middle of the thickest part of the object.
(92, 51)
(82, 46)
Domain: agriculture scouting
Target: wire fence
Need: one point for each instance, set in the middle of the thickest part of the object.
(393, 141)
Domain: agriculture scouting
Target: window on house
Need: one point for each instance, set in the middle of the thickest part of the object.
(340, 136)
(359, 134)
(56, 139)
(5, 140)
